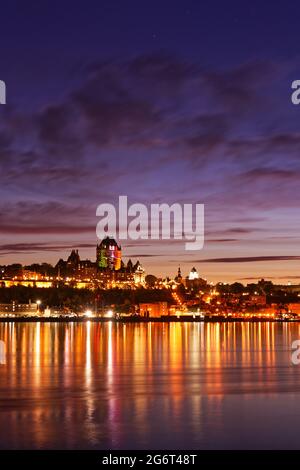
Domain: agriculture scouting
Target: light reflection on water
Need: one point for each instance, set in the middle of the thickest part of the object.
(151, 386)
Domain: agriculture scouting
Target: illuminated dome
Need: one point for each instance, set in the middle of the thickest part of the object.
(193, 274)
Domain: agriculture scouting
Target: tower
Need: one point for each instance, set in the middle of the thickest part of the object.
(139, 273)
(193, 274)
(109, 255)
(73, 262)
(178, 278)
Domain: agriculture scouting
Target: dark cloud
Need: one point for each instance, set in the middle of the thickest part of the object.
(237, 88)
(30, 248)
(231, 231)
(250, 259)
(46, 229)
(29, 217)
(142, 100)
(163, 68)
(221, 240)
(269, 278)
(271, 173)
(143, 255)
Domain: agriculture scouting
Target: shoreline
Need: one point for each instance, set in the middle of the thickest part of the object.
(146, 320)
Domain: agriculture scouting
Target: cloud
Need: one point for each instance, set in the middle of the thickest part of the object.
(250, 259)
(143, 255)
(157, 128)
(221, 240)
(46, 229)
(237, 87)
(49, 217)
(30, 248)
(269, 278)
(155, 98)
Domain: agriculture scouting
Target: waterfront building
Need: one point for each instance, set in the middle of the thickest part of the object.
(17, 309)
(154, 309)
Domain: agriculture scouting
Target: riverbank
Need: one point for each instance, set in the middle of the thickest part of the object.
(144, 320)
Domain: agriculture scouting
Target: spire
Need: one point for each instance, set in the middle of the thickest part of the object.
(178, 278)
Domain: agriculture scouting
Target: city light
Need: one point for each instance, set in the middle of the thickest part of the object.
(88, 313)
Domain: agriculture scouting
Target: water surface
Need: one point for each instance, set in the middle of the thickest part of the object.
(149, 386)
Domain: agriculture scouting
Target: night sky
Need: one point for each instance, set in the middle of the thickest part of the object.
(173, 101)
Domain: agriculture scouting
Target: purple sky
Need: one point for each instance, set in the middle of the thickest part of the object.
(161, 101)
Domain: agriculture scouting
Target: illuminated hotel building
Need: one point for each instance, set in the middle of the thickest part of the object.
(109, 255)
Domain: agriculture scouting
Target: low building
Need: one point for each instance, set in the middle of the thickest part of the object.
(154, 309)
(26, 283)
(16, 309)
(257, 299)
(294, 308)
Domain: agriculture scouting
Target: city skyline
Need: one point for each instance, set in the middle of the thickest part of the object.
(149, 231)
(113, 258)
(187, 114)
